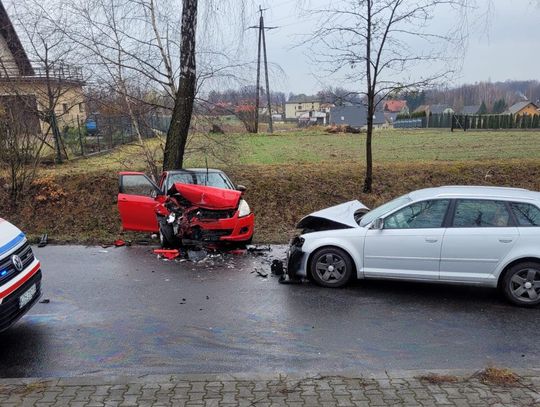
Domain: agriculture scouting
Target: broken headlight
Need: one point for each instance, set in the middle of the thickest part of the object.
(297, 241)
(243, 209)
(171, 218)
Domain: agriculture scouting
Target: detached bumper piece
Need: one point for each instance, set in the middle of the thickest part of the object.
(295, 258)
(10, 310)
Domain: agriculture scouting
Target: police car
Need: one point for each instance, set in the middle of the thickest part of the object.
(20, 275)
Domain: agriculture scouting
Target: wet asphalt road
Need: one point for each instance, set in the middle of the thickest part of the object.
(123, 311)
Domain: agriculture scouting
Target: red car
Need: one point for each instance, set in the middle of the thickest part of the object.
(188, 207)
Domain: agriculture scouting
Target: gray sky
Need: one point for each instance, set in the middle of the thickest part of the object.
(502, 45)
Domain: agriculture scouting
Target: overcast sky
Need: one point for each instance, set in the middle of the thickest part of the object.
(503, 45)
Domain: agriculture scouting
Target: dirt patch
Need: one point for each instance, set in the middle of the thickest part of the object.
(82, 208)
(498, 376)
(433, 378)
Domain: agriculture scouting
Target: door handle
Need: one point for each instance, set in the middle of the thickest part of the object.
(431, 240)
(506, 240)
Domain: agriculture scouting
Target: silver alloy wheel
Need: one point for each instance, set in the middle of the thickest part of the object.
(331, 268)
(525, 285)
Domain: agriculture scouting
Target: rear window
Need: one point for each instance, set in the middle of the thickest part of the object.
(472, 213)
(211, 179)
(526, 214)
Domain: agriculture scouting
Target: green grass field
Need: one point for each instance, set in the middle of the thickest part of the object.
(388, 145)
(316, 146)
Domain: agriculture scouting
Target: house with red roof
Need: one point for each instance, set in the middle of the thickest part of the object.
(396, 106)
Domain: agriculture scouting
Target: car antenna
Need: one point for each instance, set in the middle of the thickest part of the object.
(206, 160)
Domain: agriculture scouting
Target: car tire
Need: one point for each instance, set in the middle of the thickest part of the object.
(166, 236)
(521, 284)
(331, 267)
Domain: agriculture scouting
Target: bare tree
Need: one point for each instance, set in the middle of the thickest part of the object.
(55, 84)
(380, 42)
(185, 98)
(20, 149)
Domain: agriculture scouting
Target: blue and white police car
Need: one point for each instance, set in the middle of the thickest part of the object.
(20, 275)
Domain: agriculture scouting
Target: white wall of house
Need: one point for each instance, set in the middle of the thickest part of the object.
(295, 110)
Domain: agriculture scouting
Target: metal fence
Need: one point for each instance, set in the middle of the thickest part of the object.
(466, 122)
(99, 133)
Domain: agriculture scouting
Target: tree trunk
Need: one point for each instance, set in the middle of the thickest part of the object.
(368, 181)
(183, 106)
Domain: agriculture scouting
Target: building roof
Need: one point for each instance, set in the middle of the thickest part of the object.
(421, 108)
(304, 99)
(395, 106)
(470, 109)
(7, 31)
(517, 107)
(438, 109)
(354, 116)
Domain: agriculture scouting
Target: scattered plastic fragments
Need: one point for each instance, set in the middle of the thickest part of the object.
(168, 254)
(277, 268)
(196, 255)
(44, 240)
(119, 243)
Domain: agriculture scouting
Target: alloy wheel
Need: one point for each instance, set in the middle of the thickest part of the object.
(330, 268)
(525, 285)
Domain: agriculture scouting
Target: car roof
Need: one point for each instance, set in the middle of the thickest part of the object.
(472, 191)
(187, 170)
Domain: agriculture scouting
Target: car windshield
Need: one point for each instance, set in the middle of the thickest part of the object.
(384, 209)
(211, 179)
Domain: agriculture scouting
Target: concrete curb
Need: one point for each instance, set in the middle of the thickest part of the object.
(257, 376)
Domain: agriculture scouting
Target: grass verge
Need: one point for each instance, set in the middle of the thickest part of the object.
(81, 207)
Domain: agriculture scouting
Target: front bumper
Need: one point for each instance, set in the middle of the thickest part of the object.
(10, 311)
(296, 260)
(234, 229)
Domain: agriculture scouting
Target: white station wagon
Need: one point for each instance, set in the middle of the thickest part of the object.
(485, 236)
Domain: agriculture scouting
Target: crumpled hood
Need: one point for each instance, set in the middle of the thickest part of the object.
(342, 214)
(207, 197)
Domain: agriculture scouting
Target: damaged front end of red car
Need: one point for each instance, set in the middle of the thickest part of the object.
(196, 215)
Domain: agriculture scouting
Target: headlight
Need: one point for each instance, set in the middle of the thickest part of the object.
(171, 218)
(243, 209)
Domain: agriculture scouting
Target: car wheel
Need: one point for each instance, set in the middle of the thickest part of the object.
(521, 284)
(166, 236)
(331, 267)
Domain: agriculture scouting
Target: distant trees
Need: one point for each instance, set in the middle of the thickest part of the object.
(483, 108)
(499, 106)
(414, 98)
(497, 95)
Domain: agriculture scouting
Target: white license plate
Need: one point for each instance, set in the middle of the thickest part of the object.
(27, 296)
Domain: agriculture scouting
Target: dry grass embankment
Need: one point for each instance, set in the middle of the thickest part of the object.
(81, 207)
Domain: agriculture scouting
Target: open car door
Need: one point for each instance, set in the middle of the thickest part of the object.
(136, 202)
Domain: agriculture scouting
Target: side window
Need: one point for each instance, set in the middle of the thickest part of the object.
(526, 214)
(137, 185)
(476, 213)
(419, 215)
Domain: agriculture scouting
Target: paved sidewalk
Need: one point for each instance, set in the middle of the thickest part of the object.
(448, 388)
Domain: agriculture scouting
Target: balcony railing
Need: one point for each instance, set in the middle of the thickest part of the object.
(55, 71)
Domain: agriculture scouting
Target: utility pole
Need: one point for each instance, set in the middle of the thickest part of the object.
(262, 39)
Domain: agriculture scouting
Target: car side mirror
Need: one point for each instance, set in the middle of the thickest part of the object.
(241, 188)
(378, 224)
(156, 194)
